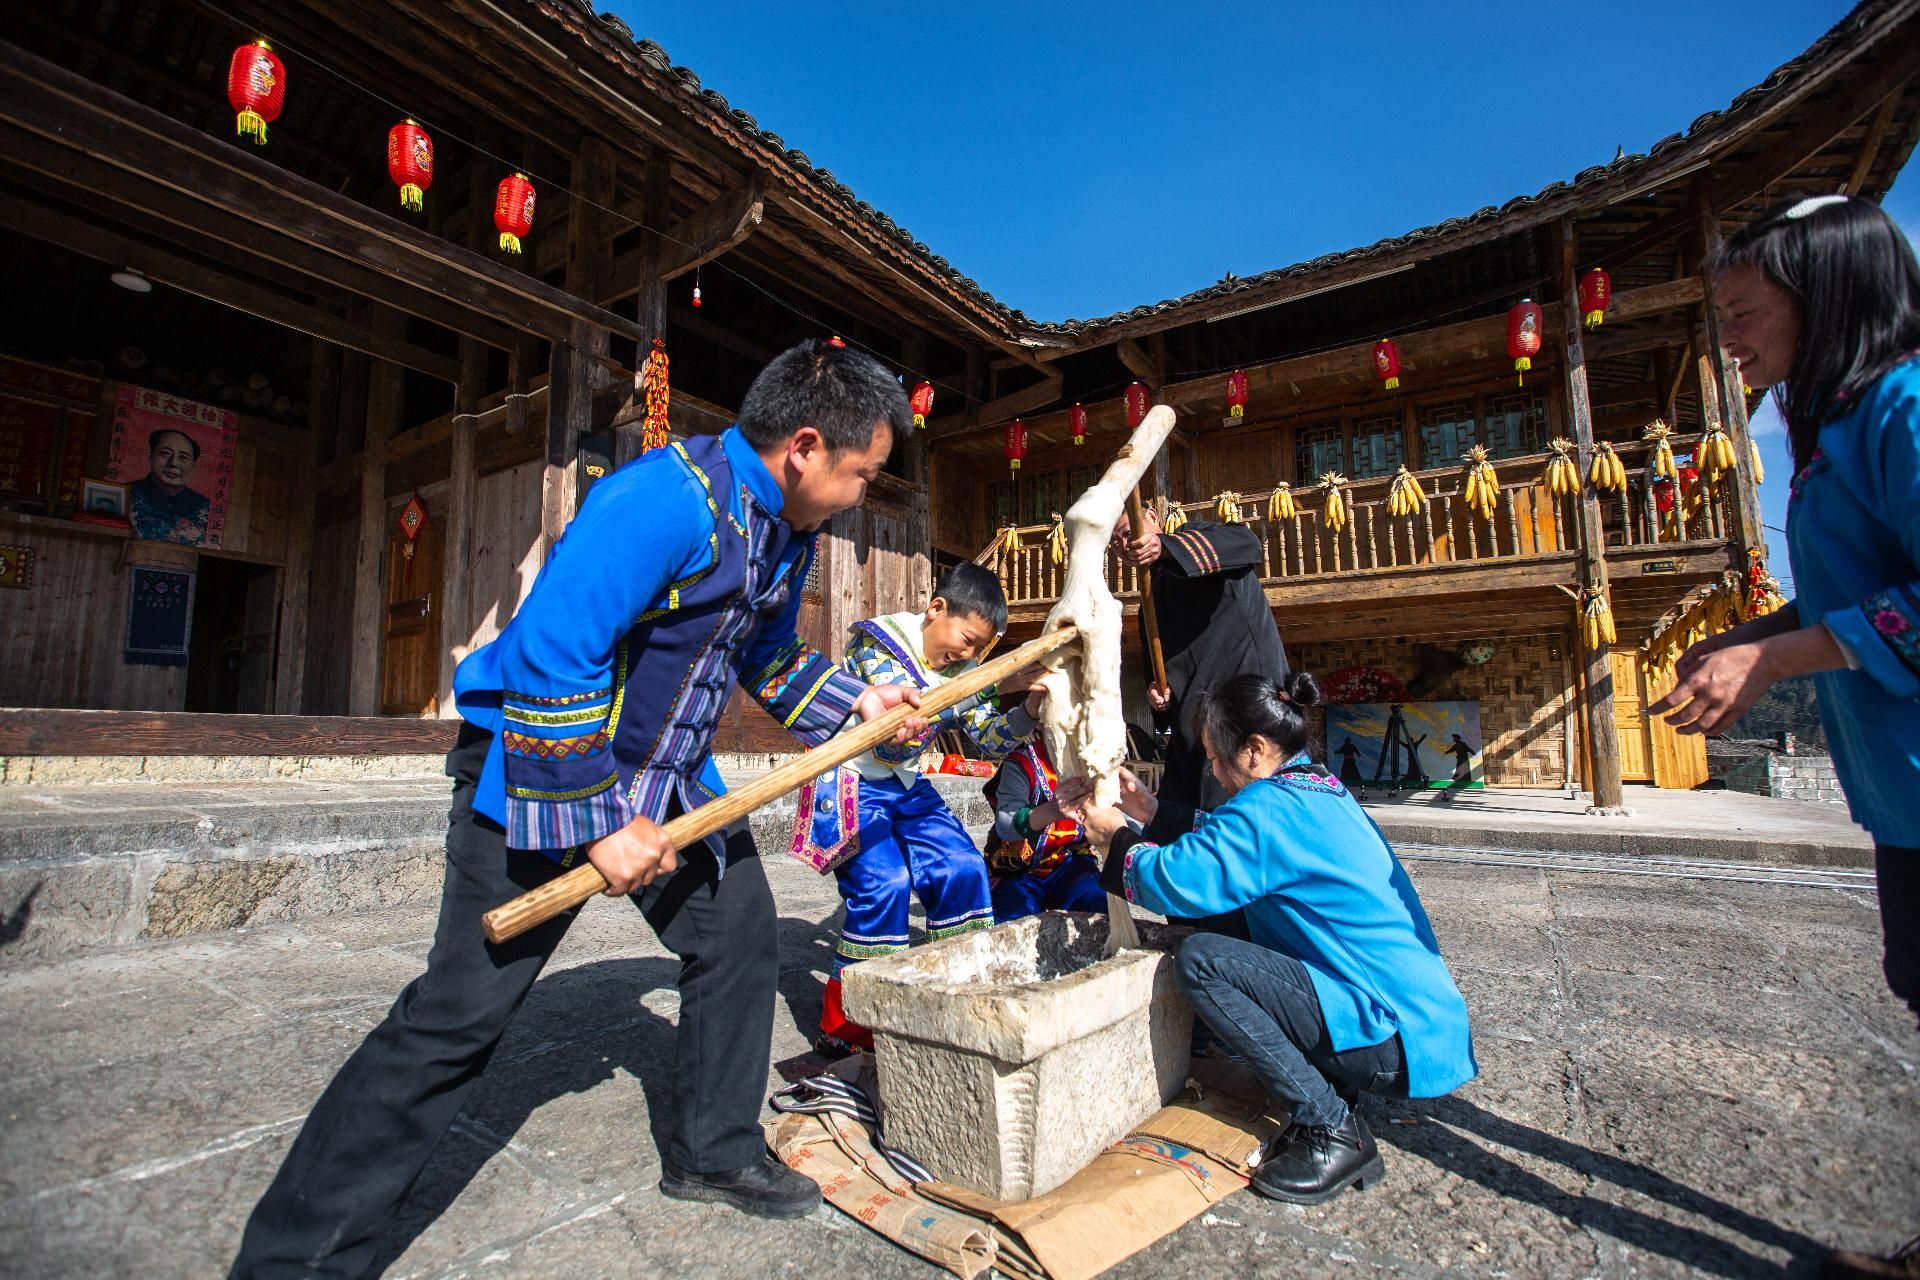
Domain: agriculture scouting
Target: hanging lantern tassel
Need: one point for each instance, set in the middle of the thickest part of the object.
(1481, 486)
(921, 402)
(654, 393)
(410, 163)
(257, 88)
(1057, 540)
(1660, 462)
(1333, 482)
(1237, 394)
(513, 203)
(1077, 422)
(1596, 295)
(1716, 456)
(1596, 620)
(1406, 497)
(1563, 474)
(1753, 453)
(1386, 363)
(1227, 506)
(1607, 474)
(1016, 444)
(1280, 503)
(1523, 336)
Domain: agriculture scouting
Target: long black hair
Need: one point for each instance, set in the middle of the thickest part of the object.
(1241, 706)
(1852, 274)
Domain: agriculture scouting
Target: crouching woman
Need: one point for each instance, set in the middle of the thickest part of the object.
(1341, 990)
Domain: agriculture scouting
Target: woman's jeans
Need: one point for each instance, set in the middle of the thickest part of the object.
(1898, 873)
(1262, 1005)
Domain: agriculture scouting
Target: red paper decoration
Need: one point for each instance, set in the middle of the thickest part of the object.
(413, 519)
(1386, 363)
(256, 86)
(410, 163)
(1137, 402)
(1077, 422)
(1016, 443)
(922, 402)
(1596, 295)
(1237, 394)
(1523, 336)
(513, 211)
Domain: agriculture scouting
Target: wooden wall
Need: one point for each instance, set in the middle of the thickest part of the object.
(329, 621)
(506, 549)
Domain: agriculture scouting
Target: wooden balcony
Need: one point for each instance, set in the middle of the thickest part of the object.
(1444, 566)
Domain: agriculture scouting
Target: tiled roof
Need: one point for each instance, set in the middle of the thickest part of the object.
(1868, 20)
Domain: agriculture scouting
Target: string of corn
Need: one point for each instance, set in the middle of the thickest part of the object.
(1753, 452)
(1481, 487)
(1280, 503)
(1660, 461)
(1607, 474)
(1057, 540)
(1716, 456)
(1227, 506)
(1406, 497)
(1595, 617)
(1563, 473)
(1333, 482)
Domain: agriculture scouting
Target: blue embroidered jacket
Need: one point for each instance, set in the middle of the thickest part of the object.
(1320, 883)
(677, 579)
(1853, 537)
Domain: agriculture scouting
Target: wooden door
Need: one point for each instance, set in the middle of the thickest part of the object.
(1630, 717)
(1679, 760)
(410, 661)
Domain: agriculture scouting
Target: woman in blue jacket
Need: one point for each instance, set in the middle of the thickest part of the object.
(1341, 990)
(1820, 300)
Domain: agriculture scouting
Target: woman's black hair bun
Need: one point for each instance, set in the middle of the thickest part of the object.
(1302, 689)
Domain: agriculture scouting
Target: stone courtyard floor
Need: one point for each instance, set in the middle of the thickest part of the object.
(1677, 1077)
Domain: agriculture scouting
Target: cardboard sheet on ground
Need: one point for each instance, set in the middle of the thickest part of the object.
(1184, 1159)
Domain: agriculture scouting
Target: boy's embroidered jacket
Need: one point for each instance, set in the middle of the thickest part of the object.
(886, 650)
(1319, 883)
(677, 579)
(1028, 778)
(1853, 536)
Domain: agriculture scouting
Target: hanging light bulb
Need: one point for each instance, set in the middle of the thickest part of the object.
(696, 288)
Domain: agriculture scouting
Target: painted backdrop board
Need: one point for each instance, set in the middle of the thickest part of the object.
(176, 458)
(1407, 744)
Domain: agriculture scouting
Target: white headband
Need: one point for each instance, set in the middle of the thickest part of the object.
(1812, 203)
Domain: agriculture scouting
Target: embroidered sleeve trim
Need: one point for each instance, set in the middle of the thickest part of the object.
(1891, 614)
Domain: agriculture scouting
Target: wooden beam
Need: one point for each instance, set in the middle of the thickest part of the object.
(296, 577)
(50, 101)
(649, 285)
(693, 241)
(1044, 392)
(174, 733)
(1870, 145)
(1604, 779)
(1139, 363)
(369, 614)
(204, 282)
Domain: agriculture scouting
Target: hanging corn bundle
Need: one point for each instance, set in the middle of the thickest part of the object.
(1406, 497)
(1563, 473)
(1333, 482)
(1753, 453)
(1227, 507)
(1607, 474)
(1057, 540)
(1174, 519)
(1762, 588)
(1009, 540)
(1280, 502)
(1715, 456)
(1480, 486)
(1596, 619)
(1660, 460)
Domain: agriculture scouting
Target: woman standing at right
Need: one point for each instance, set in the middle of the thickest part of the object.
(1820, 300)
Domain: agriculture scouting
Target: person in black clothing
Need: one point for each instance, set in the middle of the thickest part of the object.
(1214, 625)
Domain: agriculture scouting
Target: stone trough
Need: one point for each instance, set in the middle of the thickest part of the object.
(1010, 1057)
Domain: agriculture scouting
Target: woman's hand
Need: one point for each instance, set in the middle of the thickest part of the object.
(1136, 801)
(1779, 622)
(1067, 802)
(1101, 823)
(1717, 682)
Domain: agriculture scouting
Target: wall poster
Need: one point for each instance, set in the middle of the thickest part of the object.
(176, 458)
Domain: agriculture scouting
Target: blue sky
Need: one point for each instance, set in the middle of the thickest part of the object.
(1079, 158)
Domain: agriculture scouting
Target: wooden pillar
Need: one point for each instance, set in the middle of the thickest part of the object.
(575, 368)
(917, 463)
(370, 561)
(456, 579)
(1717, 371)
(296, 579)
(1604, 752)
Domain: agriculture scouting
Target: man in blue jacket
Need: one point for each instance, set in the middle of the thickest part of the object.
(588, 725)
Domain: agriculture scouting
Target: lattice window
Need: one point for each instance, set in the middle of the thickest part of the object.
(1379, 445)
(811, 587)
(999, 504)
(1446, 432)
(1039, 497)
(1516, 423)
(1079, 480)
(1318, 449)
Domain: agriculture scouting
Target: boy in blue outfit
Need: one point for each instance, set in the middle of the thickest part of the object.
(588, 723)
(905, 842)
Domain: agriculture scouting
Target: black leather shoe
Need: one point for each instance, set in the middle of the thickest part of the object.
(766, 1190)
(1311, 1164)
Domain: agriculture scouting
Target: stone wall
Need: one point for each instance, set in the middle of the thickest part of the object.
(1804, 778)
(1523, 695)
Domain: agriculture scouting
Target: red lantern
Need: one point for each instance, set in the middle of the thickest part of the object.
(1596, 295)
(1016, 443)
(1523, 336)
(413, 518)
(513, 211)
(1386, 363)
(1077, 422)
(410, 163)
(1237, 394)
(256, 86)
(922, 403)
(1137, 400)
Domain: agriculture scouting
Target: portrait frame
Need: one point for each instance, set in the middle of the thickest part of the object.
(104, 498)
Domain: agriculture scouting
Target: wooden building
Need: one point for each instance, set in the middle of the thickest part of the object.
(369, 356)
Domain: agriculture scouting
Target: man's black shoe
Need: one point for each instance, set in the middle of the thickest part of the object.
(1311, 1164)
(766, 1190)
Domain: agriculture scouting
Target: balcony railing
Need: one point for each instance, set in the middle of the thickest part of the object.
(1528, 523)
